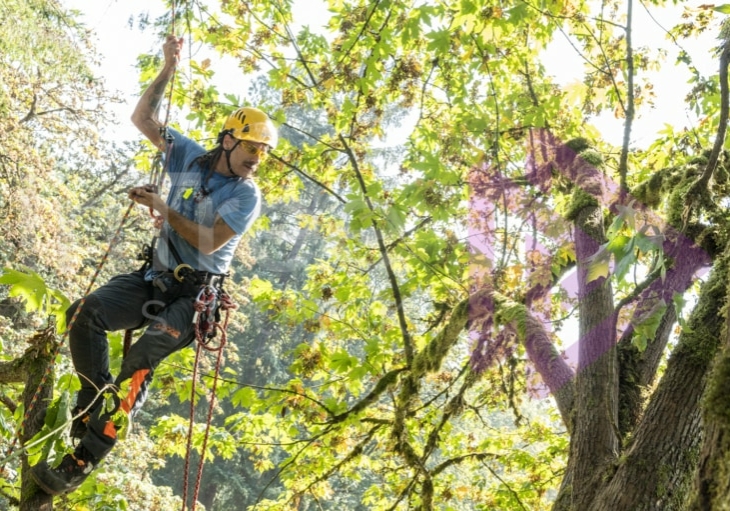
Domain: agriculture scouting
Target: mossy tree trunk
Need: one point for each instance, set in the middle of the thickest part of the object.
(634, 446)
(30, 370)
(594, 441)
(712, 487)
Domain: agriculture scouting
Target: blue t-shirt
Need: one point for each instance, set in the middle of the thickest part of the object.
(200, 194)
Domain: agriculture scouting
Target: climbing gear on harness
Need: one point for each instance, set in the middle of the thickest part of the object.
(68, 475)
(227, 305)
(184, 281)
(182, 271)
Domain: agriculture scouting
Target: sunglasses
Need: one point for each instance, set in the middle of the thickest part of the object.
(251, 149)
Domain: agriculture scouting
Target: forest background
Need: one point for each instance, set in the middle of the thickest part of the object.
(449, 211)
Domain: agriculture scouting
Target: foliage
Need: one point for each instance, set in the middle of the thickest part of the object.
(433, 187)
(32, 289)
(60, 206)
(381, 390)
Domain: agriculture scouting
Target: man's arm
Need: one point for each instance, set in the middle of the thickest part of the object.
(206, 239)
(145, 113)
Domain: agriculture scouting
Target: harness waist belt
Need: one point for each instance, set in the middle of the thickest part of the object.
(184, 271)
(185, 281)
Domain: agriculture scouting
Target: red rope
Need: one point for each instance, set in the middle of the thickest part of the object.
(227, 305)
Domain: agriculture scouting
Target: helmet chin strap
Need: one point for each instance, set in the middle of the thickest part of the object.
(228, 156)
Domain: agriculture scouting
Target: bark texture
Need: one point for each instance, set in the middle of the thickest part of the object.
(712, 485)
(655, 474)
(33, 365)
(594, 443)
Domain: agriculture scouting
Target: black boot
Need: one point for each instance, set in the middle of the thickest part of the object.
(66, 477)
(78, 426)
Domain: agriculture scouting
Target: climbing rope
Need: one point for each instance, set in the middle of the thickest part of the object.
(205, 326)
(158, 170)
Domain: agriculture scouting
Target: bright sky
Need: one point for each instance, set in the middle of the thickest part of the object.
(670, 82)
(120, 41)
(120, 44)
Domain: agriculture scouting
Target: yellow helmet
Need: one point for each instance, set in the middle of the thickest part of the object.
(251, 124)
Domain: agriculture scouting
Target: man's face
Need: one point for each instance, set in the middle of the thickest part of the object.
(246, 156)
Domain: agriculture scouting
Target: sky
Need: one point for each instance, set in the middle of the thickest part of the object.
(120, 44)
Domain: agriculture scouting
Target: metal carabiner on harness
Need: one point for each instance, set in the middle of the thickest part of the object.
(206, 305)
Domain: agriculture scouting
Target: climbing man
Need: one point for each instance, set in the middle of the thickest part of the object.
(212, 202)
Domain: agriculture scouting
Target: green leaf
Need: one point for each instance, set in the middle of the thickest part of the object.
(440, 40)
(259, 288)
(646, 326)
(32, 289)
(341, 361)
(649, 243)
(598, 268)
(396, 217)
(725, 8)
(243, 398)
(28, 286)
(619, 245)
(679, 301)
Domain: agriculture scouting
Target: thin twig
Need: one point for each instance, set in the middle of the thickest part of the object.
(504, 483)
(630, 105)
(310, 178)
(405, 333)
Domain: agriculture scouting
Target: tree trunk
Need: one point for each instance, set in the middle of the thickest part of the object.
(712, 485)
(37, 362)
(656, 472)
(594, 441)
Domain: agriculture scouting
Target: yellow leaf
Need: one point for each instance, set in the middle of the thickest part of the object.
(575, 93)
(597, 269)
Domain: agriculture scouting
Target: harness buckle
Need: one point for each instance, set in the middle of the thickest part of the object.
(178, 272)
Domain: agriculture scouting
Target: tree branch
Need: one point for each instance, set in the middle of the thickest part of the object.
(479, 456)
(515, 495)
(31, 110)
(395, 288)
(395, 243)
(310, 178)
(630, 106)
(362, 31)
(700, 187)
(354, 453)
(384, 383)
(551, 366)
(300, 57)
(9, 403)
